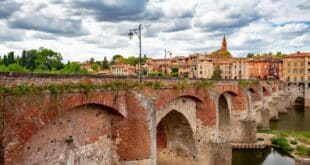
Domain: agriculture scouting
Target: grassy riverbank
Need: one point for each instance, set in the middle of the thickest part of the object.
(296, 143)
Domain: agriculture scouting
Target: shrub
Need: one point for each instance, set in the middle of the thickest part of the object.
(259, 126)
(294, 142)
(302, 150)
(180, 85)
(282, 144)
(244, 82)
(260, 139)
(69, 140)
(299, 100)
(204, 83)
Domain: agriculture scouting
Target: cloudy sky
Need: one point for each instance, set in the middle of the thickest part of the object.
(81, 29)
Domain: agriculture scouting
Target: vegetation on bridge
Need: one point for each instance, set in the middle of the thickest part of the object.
(113, 85)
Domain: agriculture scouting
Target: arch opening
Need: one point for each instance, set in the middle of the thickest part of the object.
(91, 125)
(224, 118)
(175, 139)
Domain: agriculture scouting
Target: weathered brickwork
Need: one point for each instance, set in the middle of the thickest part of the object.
(115, 127)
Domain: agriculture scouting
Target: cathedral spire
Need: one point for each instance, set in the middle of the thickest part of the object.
(224, 44)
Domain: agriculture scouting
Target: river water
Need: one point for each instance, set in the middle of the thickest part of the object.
(297, 119)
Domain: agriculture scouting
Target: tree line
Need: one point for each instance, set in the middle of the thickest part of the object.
(44, 60)
(270, 54)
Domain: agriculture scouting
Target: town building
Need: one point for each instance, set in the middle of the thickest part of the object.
(296, 67)
(122, 69)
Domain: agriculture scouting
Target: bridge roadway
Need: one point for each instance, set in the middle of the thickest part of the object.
(149, 125)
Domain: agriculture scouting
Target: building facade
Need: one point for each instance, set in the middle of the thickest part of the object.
(296, 67)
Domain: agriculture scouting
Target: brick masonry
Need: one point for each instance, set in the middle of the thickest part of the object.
(114, 127)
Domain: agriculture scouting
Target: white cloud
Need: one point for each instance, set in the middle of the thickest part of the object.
(81, 29)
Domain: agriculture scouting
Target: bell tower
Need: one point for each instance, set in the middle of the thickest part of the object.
(224, 44)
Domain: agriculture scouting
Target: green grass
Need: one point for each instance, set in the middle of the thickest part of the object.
(302, 150)
(303, 136)
(282, 143)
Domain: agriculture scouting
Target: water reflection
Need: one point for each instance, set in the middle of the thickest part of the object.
(267, 156)
(297, 119)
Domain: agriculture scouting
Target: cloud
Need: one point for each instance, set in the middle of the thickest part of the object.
(7, 8)
(92, 28)
(292, 29)
(49, 24)
(228, 20)
(8, 35)
(110, 10)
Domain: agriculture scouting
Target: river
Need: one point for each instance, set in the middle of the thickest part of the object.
(296, 119)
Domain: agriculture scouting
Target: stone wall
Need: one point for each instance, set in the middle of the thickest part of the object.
(119, 127)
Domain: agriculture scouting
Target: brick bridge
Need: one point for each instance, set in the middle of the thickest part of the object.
(131, 126)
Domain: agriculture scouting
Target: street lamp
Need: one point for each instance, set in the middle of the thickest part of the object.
(137, 32)
(169, 52)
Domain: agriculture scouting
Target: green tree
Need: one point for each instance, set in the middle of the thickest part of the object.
(49, 58)
(217, 72)
(23, 59)
(73, 68)
(30, 62)
(11, 58)
(105, 63)
(92, 60)
(131, 61)
(250, 55)
(95, 67)
(5, 60)
(16, 68)
(117, 58)
(175, 70)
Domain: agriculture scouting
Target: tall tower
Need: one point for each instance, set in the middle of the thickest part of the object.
(224, 44)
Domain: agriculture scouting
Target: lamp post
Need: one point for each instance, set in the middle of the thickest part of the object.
(137, 32)
(167, 51)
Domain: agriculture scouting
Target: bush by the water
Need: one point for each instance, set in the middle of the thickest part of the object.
(294, 142)
(299, 101)
(282, 144)
(302, 150)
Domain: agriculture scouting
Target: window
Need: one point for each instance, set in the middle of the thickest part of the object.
(200, 72)
(288, 70)
(301, 70)
(295, 64)
(288, 78)
(288, 64)
(302, 78)
(295, 78)
(295, 71)
(302, 64)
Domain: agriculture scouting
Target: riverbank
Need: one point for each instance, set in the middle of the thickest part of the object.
(293, 143)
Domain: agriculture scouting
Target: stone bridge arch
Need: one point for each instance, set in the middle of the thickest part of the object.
(175, 140)
(225, 108)
(84, 134)
(176, 123)
(184, 104)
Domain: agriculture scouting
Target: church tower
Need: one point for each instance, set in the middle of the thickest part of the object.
(224, 44)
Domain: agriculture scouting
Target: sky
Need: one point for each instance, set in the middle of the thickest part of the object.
(81, 29)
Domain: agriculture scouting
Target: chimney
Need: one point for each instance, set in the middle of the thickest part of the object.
(298, 52)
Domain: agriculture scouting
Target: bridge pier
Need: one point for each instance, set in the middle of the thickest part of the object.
(219, 152)
(307, 95)
(243, 129)
(262, 118)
